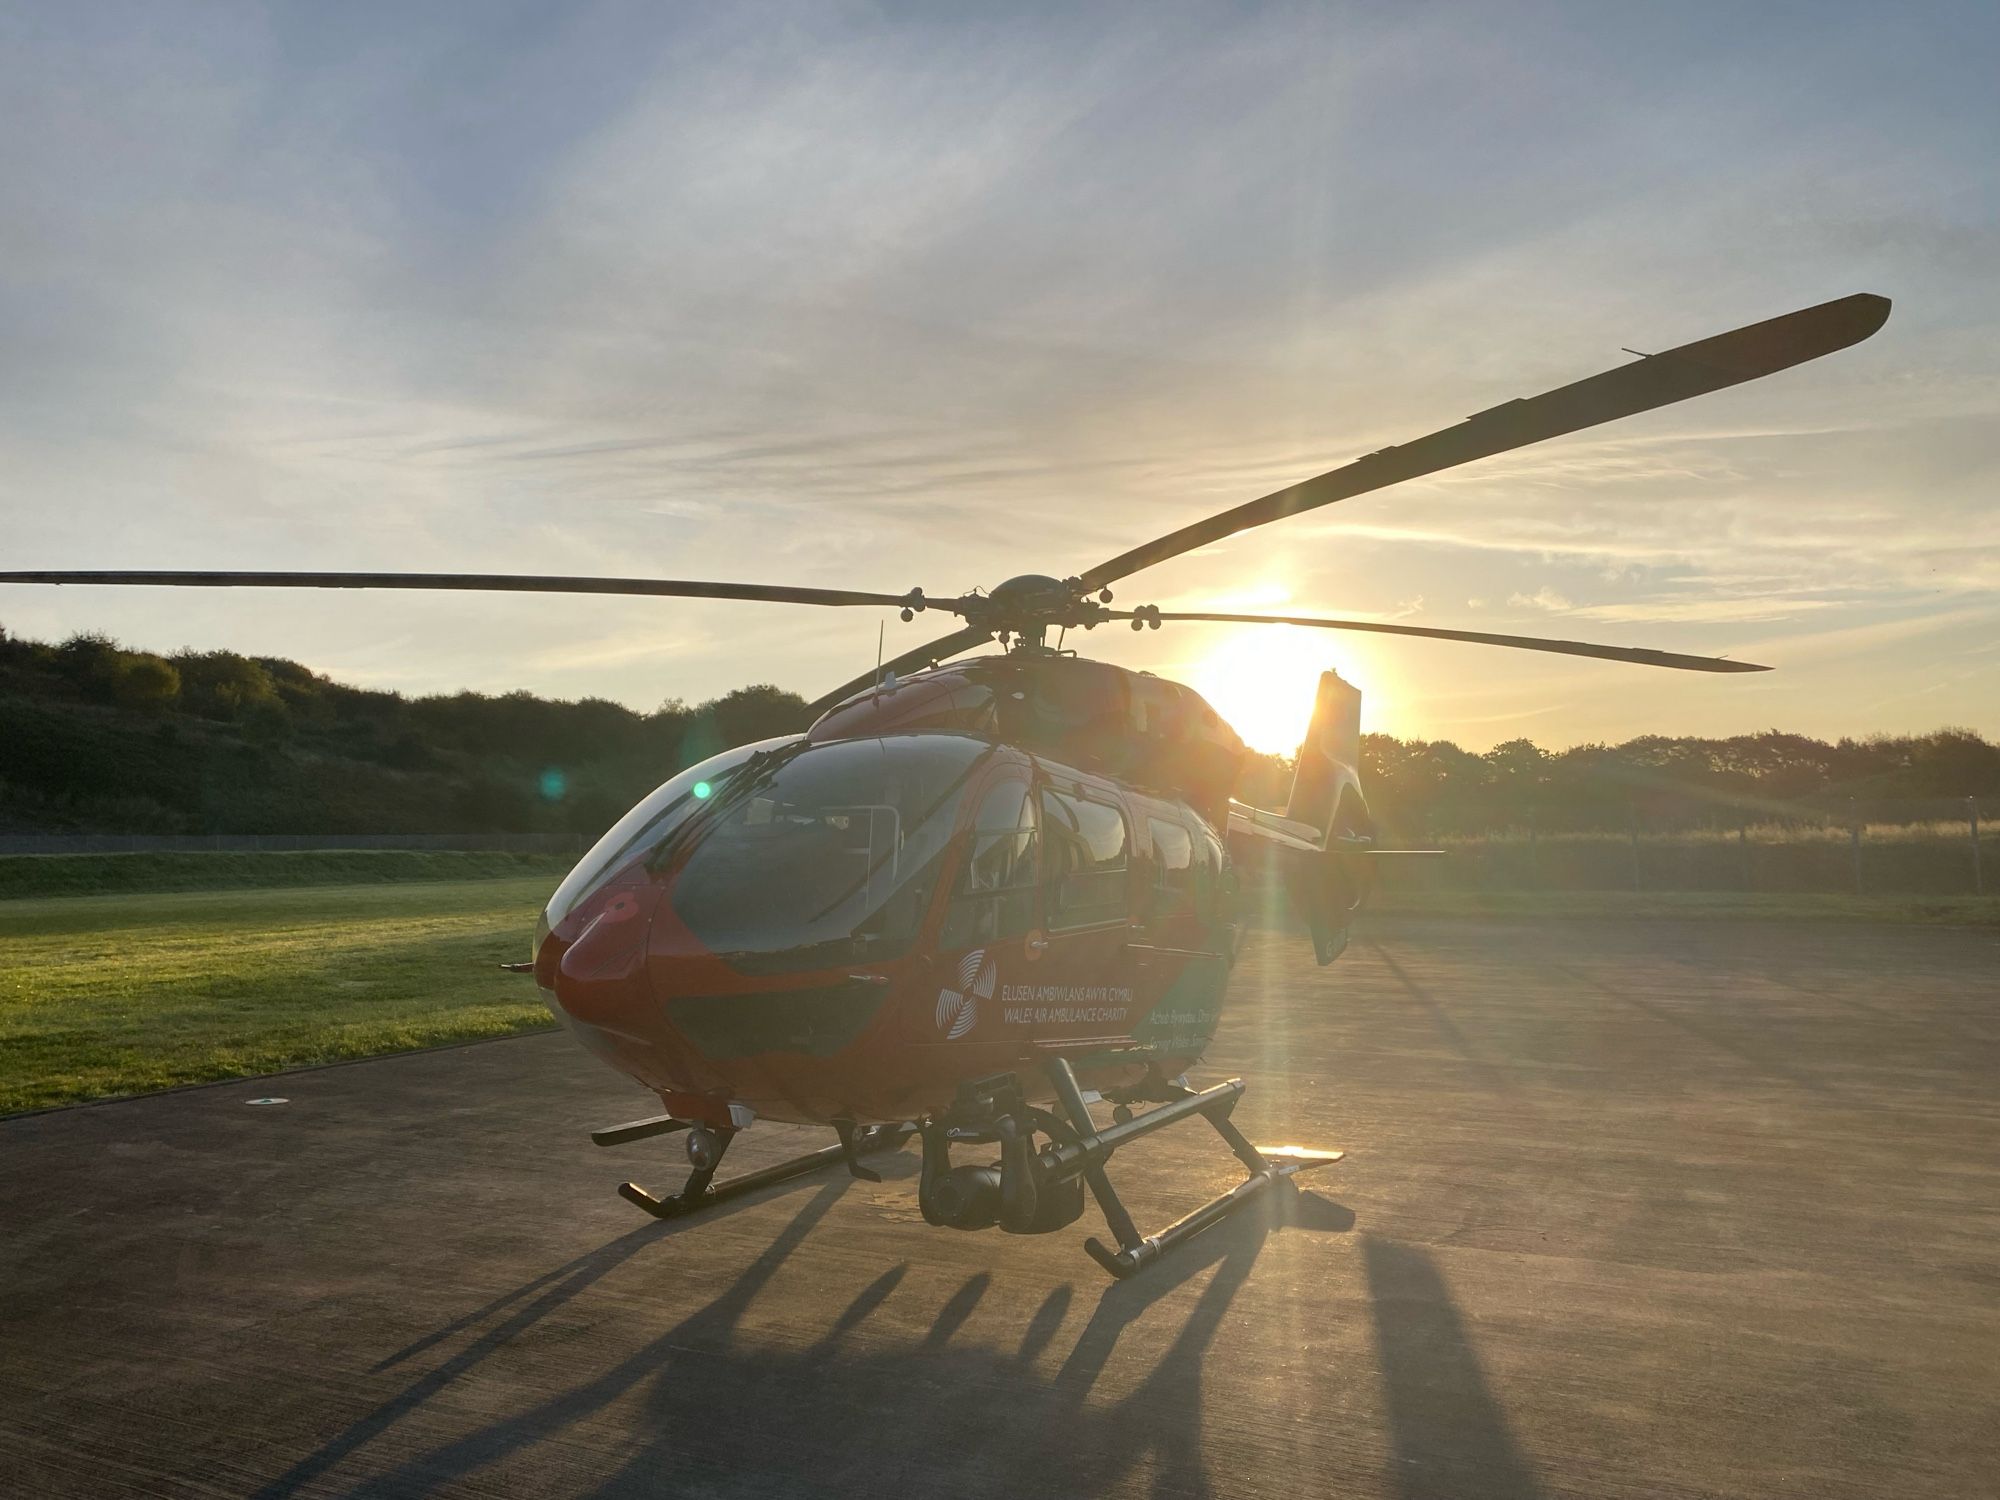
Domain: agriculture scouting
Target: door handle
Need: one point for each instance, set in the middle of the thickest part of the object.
(1037, 946)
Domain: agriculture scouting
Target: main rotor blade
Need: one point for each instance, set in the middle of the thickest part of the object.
(509, 583)
(1638, 654)
(1655, 380)
(923, 656)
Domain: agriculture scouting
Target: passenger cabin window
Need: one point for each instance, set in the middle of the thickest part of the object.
(1212, 901)
(1173, 873)
(995, 894)
(1084, 848)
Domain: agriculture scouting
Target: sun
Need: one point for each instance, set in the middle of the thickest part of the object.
(1263, 680)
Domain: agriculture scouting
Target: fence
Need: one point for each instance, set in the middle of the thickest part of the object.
(1872, 848)
(240, 843)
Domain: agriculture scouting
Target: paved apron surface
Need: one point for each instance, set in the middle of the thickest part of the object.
(1651, 1209)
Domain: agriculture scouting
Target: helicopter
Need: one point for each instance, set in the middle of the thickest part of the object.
(981, 893)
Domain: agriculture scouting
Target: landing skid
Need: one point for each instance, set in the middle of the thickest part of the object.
(1033, 1190)
(1030, 1190)
(1267, 1166)
(702, 1191)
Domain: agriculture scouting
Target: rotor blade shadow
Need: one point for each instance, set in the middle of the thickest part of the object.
(1490, 1077)
(1449, 1435)
(1753, 1058)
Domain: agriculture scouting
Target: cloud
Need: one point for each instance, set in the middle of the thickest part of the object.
(1846, 642)
(1542, 598)
(816, 295)
(1704, 611)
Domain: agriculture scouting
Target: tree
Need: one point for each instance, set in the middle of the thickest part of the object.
(221, 684)
(146, 682)
(88, 661)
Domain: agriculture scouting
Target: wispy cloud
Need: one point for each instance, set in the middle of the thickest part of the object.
(819, 295)
(1704, 611)
(1542, 598)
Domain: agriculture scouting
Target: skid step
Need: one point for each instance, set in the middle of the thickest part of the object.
(1290, 1159)
(637, 1130)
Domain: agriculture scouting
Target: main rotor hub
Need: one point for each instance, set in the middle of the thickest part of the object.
(1025, 607)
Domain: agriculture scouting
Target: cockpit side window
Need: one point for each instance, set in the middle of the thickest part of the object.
(829, 855)
(995, 894)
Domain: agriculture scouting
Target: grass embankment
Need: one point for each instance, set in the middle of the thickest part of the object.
(107, 995)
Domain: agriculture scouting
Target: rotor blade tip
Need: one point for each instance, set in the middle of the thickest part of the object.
(1875, 309)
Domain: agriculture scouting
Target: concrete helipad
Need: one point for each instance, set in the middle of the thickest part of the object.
(1655, 1209)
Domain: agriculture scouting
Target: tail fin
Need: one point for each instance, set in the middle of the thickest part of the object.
(1316, 846)
(1330, 759)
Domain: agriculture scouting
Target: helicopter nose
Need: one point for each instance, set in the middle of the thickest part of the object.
(594, 962)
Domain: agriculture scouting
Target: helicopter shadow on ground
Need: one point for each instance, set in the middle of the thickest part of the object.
(533, 1301)
(716, 1414)
(846, 1411)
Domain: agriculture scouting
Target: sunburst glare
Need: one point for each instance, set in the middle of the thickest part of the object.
(1262, 680)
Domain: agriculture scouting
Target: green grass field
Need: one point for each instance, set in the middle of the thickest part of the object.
(147, 985)
(119, 994)
(109, 874)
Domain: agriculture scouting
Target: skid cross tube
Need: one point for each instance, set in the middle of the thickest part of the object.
(702, 1191)
(1094, 1146)
(1093, 1149)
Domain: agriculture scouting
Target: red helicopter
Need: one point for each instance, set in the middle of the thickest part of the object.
(977, 896)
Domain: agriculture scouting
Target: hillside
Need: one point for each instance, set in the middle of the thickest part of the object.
(98, 738)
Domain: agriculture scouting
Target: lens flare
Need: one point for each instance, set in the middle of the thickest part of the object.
(1263, 681)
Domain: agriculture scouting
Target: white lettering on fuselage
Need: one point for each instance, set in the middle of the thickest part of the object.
(1064, 1004)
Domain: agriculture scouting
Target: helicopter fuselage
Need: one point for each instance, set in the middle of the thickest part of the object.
(849, 925)
(1054, 910)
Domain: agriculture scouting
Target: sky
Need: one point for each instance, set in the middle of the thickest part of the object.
(875, 296)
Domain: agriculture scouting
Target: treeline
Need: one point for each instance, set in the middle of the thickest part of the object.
(1660, 782)
(98, 738)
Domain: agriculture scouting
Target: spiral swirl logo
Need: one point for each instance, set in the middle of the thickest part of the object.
(958, 1009)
